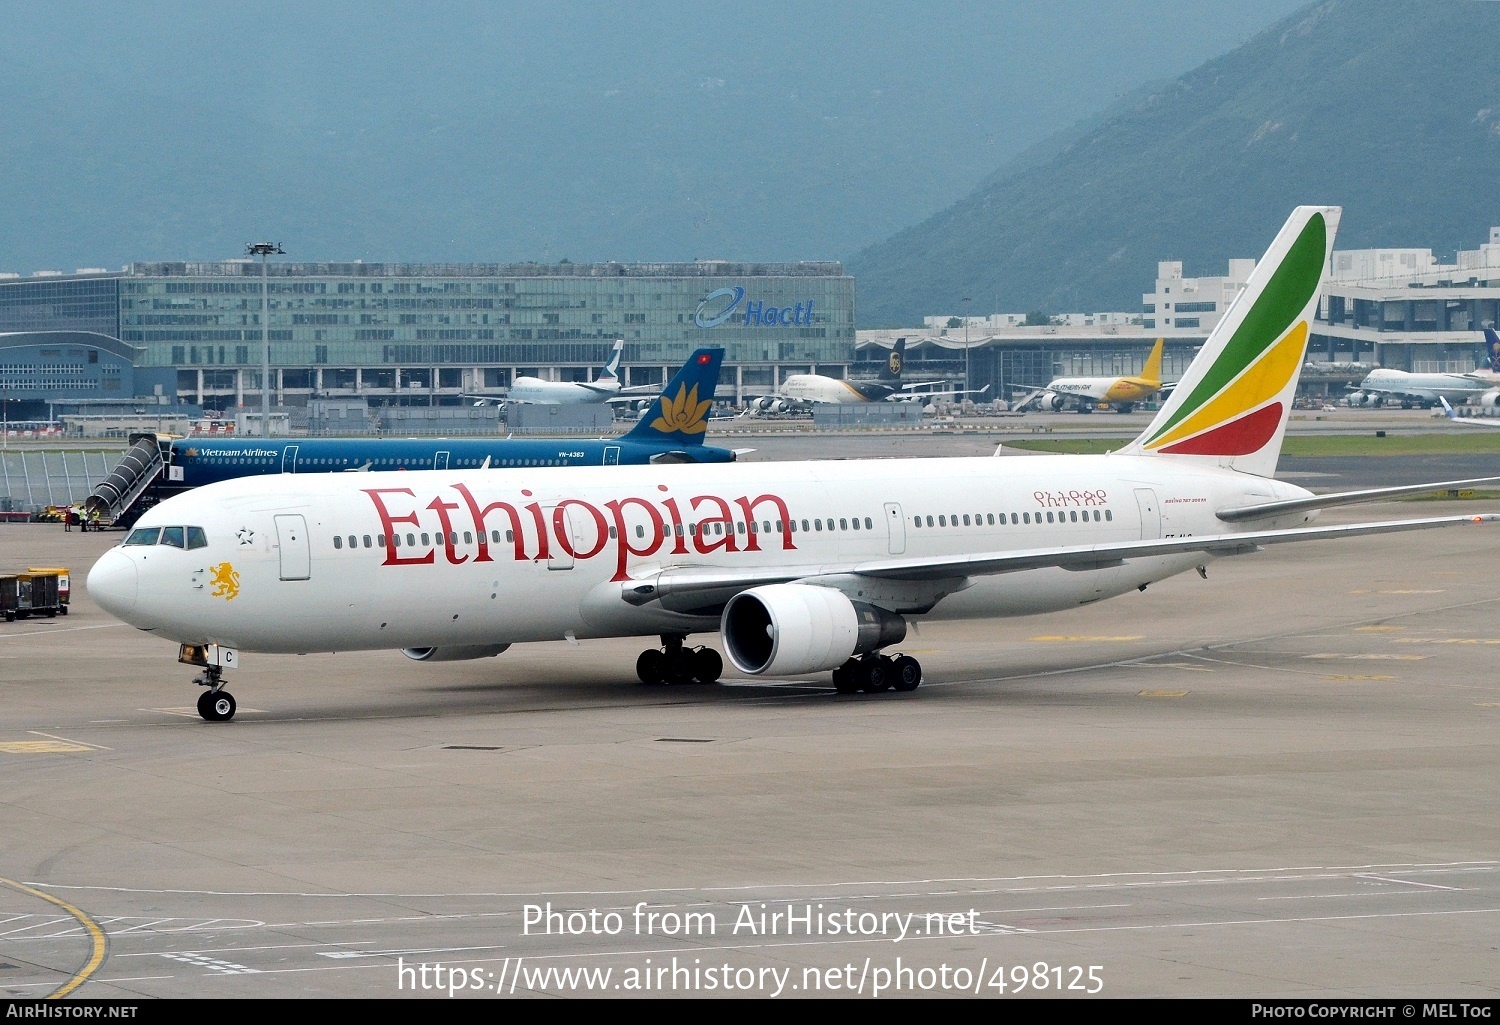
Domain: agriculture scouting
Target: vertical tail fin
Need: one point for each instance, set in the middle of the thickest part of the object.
(891, 372)
(1232, 404)
(680, 413)
(1152, 370)
(1492, 346)
(611, 371)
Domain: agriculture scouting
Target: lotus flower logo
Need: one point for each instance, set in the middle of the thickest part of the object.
(683, 413)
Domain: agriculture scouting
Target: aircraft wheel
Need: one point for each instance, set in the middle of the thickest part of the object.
(708, 665)
(843, 678)
(649, 667)
(908, 673)
(877, 674)
(1125, 407)
(216, 707)
(679, 667)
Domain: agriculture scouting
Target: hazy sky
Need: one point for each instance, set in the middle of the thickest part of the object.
(483, 130)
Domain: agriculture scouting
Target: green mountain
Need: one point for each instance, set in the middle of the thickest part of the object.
(1386, 107)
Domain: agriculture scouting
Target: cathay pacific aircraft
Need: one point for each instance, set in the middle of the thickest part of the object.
(799, 567)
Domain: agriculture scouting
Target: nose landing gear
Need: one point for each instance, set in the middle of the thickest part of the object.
(673, 663)
(215, 704)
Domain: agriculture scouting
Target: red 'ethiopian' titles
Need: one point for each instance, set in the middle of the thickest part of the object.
(577, 528)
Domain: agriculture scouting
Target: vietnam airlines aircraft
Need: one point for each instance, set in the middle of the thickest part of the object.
(801, 567)
(1086, 393)
(671, 430)
(1480, 387)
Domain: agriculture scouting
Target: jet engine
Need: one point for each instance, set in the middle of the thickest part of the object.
(1053, 401)
(1358, 398)
(457, 653)
(1489, 400)
(785, 629)
(771, 404)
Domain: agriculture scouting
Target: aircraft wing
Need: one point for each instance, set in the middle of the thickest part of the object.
(1452, 414)
(918, 391)
(604, 391)
(705, 586)
(1264, 509)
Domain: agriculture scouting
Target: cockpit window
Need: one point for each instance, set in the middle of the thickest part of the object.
(175, 537)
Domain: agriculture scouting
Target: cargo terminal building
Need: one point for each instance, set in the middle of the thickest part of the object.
(441, 334)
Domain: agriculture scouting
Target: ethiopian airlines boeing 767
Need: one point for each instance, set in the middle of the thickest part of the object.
(801, 567)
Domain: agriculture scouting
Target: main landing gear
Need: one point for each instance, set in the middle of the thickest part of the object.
(673, 663)
(214, 704)
(874, 673)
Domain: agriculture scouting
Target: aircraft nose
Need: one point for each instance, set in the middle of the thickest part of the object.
(112, 583)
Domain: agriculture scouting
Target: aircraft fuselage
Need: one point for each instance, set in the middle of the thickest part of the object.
(402, 560)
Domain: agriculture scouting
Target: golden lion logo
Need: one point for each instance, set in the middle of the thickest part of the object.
(683, 413)
(225, 580)
(893, 363)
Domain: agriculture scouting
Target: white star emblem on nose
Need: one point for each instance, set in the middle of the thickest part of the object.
(246, 536)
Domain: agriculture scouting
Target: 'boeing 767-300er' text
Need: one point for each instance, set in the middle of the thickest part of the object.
(801, 567)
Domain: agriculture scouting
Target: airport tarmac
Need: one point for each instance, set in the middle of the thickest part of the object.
(1275, 782)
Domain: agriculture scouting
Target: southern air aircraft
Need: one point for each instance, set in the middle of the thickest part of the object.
(1088, 392)
(800, 567)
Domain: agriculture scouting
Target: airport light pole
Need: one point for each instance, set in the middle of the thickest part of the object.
(966, 300)
(263, 250)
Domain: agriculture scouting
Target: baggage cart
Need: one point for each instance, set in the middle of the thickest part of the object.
(64, 584)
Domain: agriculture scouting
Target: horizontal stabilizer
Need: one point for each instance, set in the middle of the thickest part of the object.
(1262, 510)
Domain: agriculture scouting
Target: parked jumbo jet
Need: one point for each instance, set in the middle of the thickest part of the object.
(1481, 387)
(803, 391)
(605, 388)
(1088, 392)
(801, 567)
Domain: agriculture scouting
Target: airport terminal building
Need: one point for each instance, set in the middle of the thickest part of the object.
(1398, 308)
(436, 334)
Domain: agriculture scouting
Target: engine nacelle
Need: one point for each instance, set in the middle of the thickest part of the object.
(1052, 401)
(1489, 400)
(456, 653)
(1358, 398)
(785, 629)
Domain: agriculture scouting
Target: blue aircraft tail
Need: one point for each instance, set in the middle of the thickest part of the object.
(1492, 347)
(680, 413)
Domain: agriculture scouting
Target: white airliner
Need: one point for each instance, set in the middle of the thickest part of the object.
(605, 388)
(1086, 393)
(801, 567)
(804, 391)
(1479, 388)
